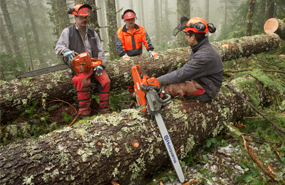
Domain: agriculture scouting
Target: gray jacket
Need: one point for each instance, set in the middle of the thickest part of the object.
(64, 43)
(205, 66)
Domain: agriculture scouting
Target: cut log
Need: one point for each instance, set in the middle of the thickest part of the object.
(274, 25)
(127, 146)
(58, 85)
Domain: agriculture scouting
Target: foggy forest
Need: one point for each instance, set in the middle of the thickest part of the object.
(236, 138)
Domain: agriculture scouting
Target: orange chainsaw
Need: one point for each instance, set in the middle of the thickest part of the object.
(152, 99)
(81, 63)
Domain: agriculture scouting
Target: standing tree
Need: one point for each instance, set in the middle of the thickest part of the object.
(59, 16)
(118, 12)
(35, 31)
(157, 22)
(141, 11)
(207, 10)
(94, 23)
(10, 29)
(131, 5)
(102, 23)
(183, 9)
(270, 11)
(112, 27)
(250, 17)
(4, 37)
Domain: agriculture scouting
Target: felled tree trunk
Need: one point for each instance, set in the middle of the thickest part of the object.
(58, 85)
(277, 26)
(127, 145)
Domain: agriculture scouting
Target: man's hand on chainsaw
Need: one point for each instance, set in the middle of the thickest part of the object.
(153, 54)
(68, 55)
(98, 70)
(126, 57)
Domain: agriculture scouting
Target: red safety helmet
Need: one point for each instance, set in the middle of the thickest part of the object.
(197, 25)
(129, 14)
(82, 10)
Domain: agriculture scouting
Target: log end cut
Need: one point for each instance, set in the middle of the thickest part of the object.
(271, 25)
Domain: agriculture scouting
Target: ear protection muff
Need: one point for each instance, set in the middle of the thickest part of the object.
(211, 28)
(70, 10)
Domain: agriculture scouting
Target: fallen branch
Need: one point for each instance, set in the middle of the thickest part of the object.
(256, 160)
(276, 126)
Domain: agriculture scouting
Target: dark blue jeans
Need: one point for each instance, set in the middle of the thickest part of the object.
(202, 97)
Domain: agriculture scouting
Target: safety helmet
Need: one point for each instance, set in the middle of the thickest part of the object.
(128, 14)
(80, 10)
(196, 24)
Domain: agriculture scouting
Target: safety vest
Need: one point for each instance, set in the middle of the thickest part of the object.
(131, 43)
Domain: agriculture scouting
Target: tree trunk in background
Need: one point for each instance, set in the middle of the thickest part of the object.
(167, 32)
(270, 10)
(102, 23)
(119, 14)
(226, 15)
(93, 21)
(4, 36)
(141, 10)
(277, 26)
(131, 5)
(207, 11)
(36, 34)
(183, 9)
(58, 85)
(249, 17)
(112, 27)
(59, 17)
(125, 145)
(157, 20)
(29, 49)
(10, 29)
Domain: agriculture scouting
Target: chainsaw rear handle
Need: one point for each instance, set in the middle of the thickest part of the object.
(163, 101)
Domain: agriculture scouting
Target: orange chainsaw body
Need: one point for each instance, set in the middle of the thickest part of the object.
(83, 62)
(140, 78)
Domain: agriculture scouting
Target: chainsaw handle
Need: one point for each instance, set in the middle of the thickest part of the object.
(160, 100)
(142, 70)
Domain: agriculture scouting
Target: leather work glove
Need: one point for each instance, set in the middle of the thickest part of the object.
(68, 55)
(153, 54)
(99, 70)
(126, 57)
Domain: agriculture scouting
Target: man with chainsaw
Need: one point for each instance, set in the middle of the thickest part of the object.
(79, 38)
(130, 38)
(201, 77)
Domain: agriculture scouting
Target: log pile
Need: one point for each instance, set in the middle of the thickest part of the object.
(127, 146)
(16, 94)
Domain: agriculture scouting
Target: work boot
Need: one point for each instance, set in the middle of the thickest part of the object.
(105, 110)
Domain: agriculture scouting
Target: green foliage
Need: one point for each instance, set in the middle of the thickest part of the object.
(213, 143)
(67, 117)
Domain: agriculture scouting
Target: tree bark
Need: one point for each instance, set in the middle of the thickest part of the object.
(277, 26)
(94, 23)
(124, 145)
(183, 9)
(10, 29)
(112, 28)
(59, 16)
(250, 17)
(157, 20)
(15, 94)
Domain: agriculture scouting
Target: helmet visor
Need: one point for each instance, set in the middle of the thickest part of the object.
(181, 26)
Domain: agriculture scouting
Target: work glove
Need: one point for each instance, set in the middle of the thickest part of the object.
(153, 54)
(126, 57)
(68, 55)
(99, 70)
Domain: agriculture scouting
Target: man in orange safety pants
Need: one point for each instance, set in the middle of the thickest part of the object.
(79, 38)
